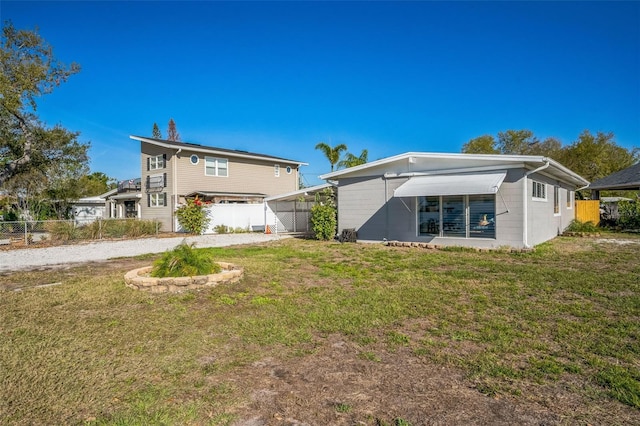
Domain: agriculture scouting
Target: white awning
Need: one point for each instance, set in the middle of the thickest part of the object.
(463, 184)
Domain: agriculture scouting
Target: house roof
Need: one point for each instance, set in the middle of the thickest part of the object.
(628, 178)
(450, 163)
(214, 150)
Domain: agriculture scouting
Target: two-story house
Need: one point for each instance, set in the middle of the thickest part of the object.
(173, 171)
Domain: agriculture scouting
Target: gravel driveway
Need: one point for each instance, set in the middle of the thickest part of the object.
(14, 260)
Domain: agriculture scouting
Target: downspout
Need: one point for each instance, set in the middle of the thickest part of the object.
(175, 190)
(386, 208)
(525, 204)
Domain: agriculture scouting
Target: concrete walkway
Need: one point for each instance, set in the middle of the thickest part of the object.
(14, 260)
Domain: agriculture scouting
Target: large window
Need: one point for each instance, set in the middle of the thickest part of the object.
(482, 216)
(216, 166)
(556, 200)
(468, 216)
(539, 190)
(429, 215)
(454, 223)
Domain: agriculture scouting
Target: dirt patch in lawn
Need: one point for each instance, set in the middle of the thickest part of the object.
(338, 385)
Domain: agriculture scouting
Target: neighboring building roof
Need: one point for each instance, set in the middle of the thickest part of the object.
(306, 193)
(628, 178)
(96, 199)
(450, 163)
(126, 196)
(214, 150)
(613, 199)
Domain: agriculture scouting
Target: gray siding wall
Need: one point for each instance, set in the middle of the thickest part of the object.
(367, 204)
(361, 204)
(543, 224)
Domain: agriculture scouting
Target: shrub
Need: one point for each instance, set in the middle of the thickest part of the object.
(577, 226)
(221, 229)
(323, 216)
(184, 261)
(192, 216)
(64, 231)
(629, 214)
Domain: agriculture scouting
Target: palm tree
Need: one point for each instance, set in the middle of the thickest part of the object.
(351, 160)
(332, 154)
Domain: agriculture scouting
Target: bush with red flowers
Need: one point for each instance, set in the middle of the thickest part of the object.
(192, 216)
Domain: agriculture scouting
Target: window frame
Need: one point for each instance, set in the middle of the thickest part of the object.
(535, 194)
(157, 162)
(216, 166)
(570, 196)
(157, 200)
(556, 200)
(471, 231)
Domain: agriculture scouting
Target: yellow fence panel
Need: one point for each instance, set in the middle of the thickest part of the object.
(588, 211)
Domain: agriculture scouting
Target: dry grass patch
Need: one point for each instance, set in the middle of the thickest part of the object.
(328, 333)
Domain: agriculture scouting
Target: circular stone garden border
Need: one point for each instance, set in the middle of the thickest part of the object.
(139, 279)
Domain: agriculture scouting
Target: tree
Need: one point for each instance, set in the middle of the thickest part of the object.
(596, 156)
(30, 70)
(351, 160)
(172, 131)
(156, 131)
(332, 154)
(96, 183)
(485, 144)
(591, 156)
(516, 142)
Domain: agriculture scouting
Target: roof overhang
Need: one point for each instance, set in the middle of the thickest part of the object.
(226, 194)
(439, 163)
(459, 184)
(305, 193)
(129, 196)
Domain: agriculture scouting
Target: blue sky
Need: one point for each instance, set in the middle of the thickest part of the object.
(391, 77)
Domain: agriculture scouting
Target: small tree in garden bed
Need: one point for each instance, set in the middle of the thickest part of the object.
(192, 216)
(184, 261)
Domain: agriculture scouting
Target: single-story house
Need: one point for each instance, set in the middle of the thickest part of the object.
(122, 202)
(88, 209)
(474, 200)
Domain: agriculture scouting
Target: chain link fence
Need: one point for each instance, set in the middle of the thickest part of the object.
(35, 231)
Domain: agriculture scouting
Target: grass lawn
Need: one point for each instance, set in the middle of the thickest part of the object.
(330, 333)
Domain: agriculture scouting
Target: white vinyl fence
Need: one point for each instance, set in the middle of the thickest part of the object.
(280, 217)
